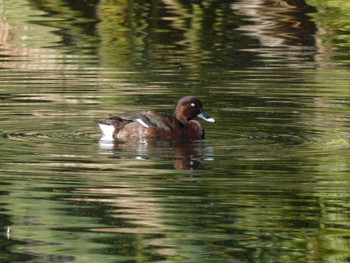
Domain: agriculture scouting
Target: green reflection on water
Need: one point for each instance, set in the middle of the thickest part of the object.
(332, 17)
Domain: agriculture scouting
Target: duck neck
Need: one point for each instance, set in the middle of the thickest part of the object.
(182, 120)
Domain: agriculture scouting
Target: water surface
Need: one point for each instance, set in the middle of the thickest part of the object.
(269, 183)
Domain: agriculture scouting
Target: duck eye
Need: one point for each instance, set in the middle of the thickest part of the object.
(192, 104)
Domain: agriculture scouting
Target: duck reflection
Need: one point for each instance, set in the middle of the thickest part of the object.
(186, 155)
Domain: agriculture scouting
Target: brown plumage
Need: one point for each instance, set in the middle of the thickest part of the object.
(150, 124)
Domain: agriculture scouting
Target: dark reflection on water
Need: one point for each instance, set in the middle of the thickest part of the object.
(277, 23)
(270, 182)
(185, 154)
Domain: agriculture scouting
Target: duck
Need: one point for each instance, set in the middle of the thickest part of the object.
(182, 124)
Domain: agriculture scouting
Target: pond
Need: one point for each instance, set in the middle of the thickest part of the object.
(270, 182)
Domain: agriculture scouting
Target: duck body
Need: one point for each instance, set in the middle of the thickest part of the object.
(150, 124)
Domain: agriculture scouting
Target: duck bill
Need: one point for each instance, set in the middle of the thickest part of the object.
(203, 115)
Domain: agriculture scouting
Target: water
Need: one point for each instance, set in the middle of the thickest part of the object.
(270, 182)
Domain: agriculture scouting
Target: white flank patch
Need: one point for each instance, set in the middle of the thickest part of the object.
(142, 123)
(107, 131)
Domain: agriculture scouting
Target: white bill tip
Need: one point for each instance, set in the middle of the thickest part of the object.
(205, 117)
